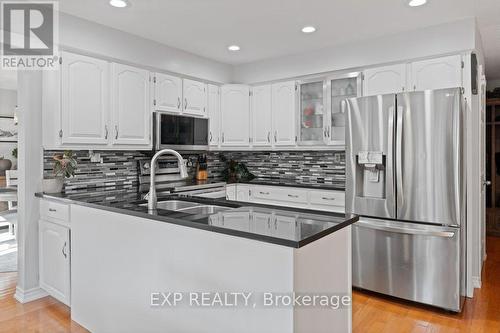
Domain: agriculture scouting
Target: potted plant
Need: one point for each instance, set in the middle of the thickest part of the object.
(64, 167)
(234, 171)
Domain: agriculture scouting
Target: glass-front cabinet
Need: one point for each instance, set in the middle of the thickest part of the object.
(322, 107)
(312, 110)
(339, 89)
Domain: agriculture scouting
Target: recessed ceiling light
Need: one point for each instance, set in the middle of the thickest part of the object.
(416, 3)
(308, 29)
(233, 48)
(118, 3)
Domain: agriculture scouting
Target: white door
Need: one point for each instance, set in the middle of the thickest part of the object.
(384, 80)
(54, 247)
(168, 93)
(131, 106)
(195, 97)
(84, 100)
(261, 115)
(284, 100)
(214, 115)
(439, 73)
(235, 115)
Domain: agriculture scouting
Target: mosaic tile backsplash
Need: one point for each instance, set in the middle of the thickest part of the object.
(120, 168)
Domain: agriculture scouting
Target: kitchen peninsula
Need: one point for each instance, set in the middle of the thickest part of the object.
(125, 261)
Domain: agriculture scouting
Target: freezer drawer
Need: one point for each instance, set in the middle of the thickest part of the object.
(412, 261)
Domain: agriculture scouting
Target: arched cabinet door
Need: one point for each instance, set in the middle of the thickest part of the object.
(284, 97)
(235, 115)
(384, 80)
(168, 93)
(195, 97)
(131, 106)
(438, 73)
(84, 100)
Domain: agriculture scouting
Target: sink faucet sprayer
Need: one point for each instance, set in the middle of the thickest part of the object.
(152, 199)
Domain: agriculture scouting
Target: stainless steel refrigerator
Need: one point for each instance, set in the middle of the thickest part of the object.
(405, 177)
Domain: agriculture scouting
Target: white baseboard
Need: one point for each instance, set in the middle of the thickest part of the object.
(25, 296)
(476, 282)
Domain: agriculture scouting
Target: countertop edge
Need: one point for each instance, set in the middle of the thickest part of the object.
(229, 232)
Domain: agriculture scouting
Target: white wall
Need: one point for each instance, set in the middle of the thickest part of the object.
(443, 39)
(77, 34)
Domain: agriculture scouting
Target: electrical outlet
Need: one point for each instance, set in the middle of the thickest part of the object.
(95, 157)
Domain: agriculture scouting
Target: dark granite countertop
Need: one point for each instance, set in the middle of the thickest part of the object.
(292, 227)
(337, 186)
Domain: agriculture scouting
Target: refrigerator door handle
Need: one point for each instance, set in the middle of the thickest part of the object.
(409, 231)
(390, 158)
(399, 152)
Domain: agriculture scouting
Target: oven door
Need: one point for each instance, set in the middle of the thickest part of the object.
(180, 132)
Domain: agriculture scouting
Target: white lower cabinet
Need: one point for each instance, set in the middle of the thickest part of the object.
(231, 192)
(54, 260)
(242, 192)
(315, 199)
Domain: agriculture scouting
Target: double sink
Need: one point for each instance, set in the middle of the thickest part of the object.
(189, 207)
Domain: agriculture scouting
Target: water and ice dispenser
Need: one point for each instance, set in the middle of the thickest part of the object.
(371, 171)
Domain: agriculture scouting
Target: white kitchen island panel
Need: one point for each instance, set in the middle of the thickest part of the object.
(118, 260)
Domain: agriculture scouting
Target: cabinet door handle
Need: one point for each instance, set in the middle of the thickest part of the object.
(116, 129)
(275, 136)
(269, 137)
(178, 102)
(327, 198)
(64, 250)
(222, 137)
(264, 193)
(328, 131)
(185, 103)
(293, 196)
(106, 132)
(52, 210)
(210, 136)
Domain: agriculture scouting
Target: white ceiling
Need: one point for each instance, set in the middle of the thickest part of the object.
(271, 28)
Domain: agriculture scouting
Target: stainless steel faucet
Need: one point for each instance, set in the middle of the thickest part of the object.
(152, 199)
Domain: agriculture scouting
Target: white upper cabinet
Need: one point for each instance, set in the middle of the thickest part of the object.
(283, 106)
(384, 80)
(84, 100)
(195, 97)
(261, 116)
(131, 105)
(168, 93)
(214, 115)
(235, 115)
(439, 73)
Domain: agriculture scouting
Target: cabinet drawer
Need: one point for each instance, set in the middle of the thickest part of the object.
(327, 198)
(54, 210)
(264, 193)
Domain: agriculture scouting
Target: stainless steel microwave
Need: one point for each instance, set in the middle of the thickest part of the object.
(180, 132)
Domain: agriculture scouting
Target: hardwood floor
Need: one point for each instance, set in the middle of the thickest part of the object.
(371, 313)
